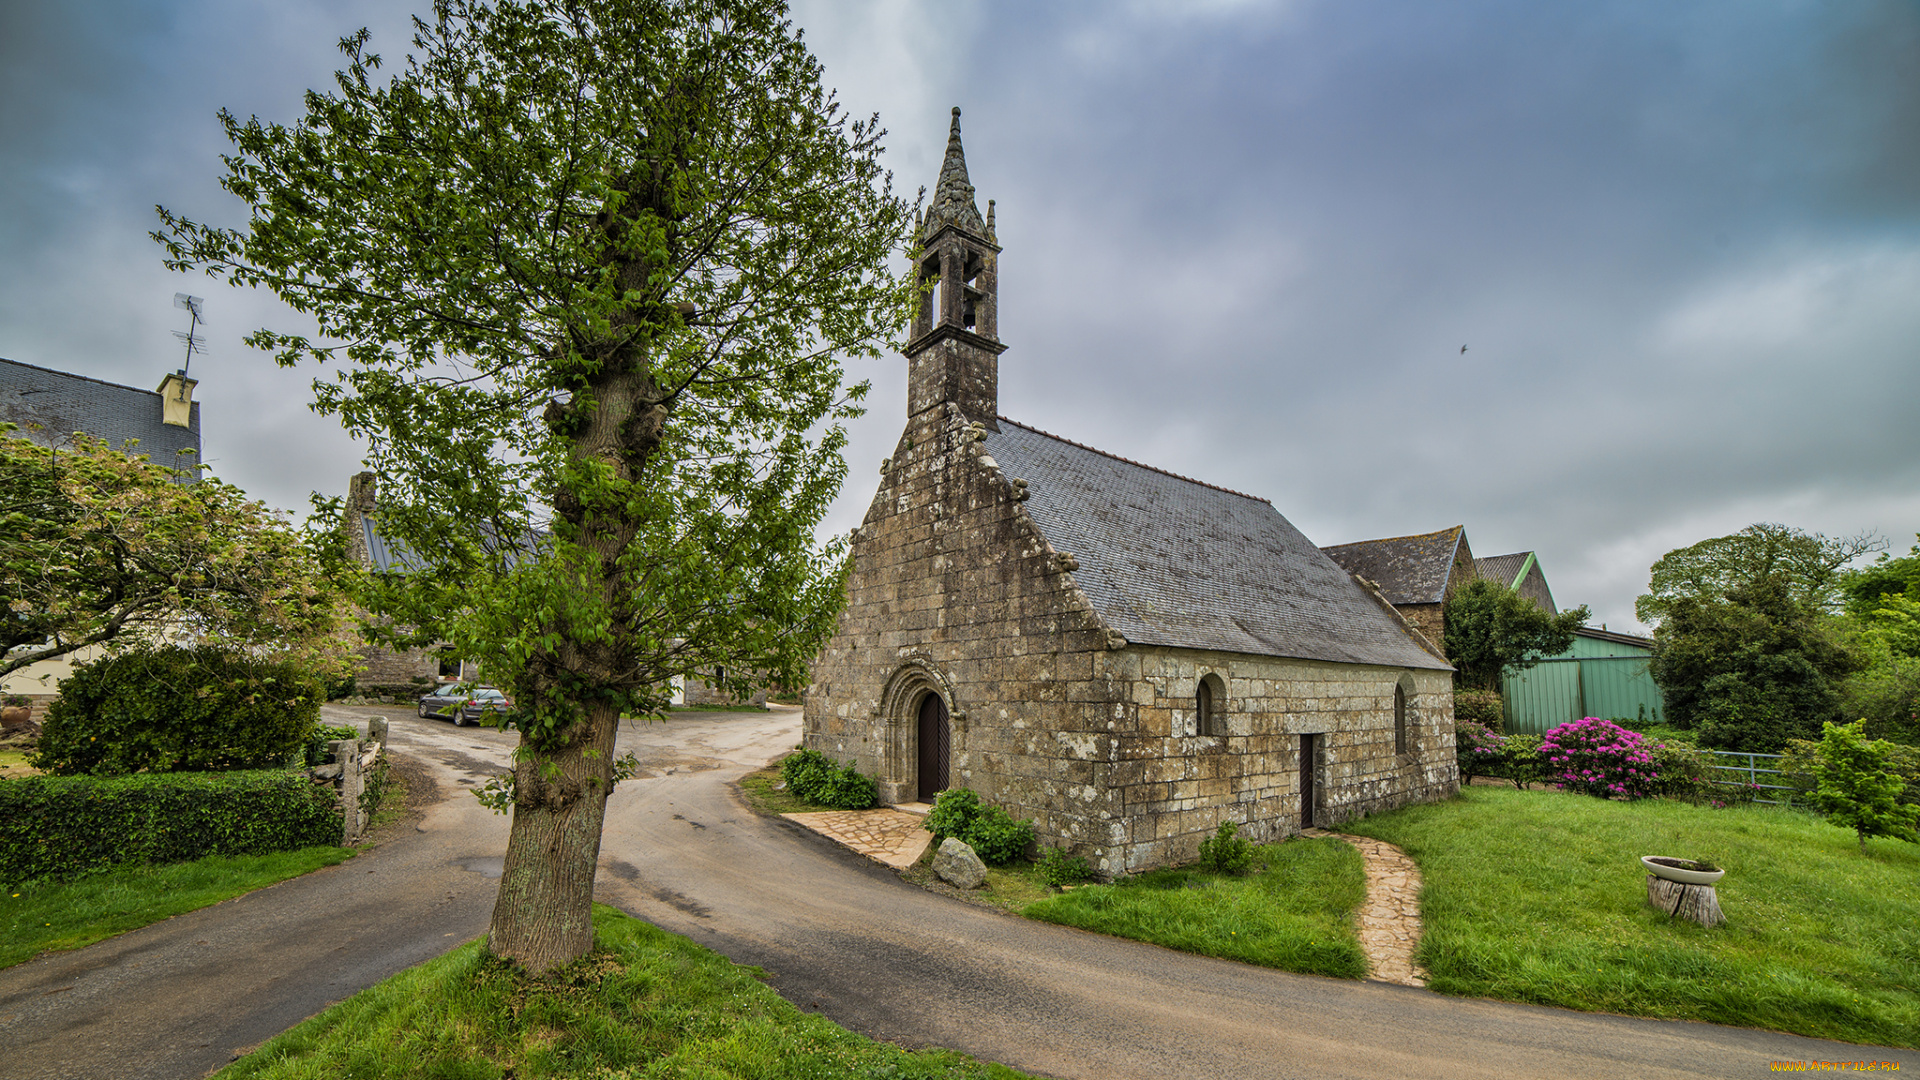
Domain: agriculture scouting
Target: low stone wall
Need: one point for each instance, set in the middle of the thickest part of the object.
(355, 764)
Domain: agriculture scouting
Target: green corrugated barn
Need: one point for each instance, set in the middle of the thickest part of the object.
(1603, 674)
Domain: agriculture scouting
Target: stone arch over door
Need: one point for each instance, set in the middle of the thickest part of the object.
(907, 690)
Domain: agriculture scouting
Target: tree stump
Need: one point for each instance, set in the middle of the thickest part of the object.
(1696, 903)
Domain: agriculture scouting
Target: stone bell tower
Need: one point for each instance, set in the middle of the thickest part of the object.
(953, 354)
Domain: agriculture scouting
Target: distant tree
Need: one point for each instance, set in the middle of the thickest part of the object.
(102, 547)
(1867, 587)
(1857, 788)
(1493, 631)
(1751, 670)
(593, 266)
(1807, 565)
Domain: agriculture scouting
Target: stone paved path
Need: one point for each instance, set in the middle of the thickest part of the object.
(887, 834)
(1390, 919)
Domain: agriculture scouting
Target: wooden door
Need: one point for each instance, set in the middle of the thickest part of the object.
(936, 746)
(1309, 769)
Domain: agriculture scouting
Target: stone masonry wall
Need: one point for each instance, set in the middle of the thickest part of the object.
(1429, 619)
(1054, 718)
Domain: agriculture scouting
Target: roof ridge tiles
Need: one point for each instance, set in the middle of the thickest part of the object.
(82, 378)
(1390, 539)
(1136, 464)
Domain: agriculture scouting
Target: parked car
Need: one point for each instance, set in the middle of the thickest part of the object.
(464, 704)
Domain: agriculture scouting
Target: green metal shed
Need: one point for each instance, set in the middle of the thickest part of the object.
(1603, 674)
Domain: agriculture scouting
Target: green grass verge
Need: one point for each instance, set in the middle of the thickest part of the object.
(1294, 912)
(1539, 897)
(768, 799)
(48, 917)
(14, 763)
(646, 1004)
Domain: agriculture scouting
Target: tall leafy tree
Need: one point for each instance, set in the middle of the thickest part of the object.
(1868, 588)
(592, 266)
(1493, 631)
(1808, 565)
(100, 546)
(1750, 670)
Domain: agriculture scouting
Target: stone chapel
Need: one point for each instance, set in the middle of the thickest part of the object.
(1124, 656)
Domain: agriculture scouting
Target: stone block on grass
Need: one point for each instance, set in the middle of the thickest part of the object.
(957, 865)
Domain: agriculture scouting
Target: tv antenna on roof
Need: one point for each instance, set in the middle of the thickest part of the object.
(193, 341)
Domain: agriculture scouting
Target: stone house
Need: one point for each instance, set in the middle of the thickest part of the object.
(1124, 656)
(1417, 574)
(400, 672)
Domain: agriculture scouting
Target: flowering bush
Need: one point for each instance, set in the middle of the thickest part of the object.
(1598, 757)
(1477, 748)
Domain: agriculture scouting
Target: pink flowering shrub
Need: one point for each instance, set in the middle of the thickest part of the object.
(1477, 748)
(1598, 757)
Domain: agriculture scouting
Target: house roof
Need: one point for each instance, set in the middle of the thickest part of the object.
(385, 553)
(63, 403)
(1502, 568)
(1408, 569)
(1170, 561)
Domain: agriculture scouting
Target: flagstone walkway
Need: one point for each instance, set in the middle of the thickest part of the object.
(1390, 918)
(887, 834)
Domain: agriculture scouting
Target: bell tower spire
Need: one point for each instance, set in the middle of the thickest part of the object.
(953, 352)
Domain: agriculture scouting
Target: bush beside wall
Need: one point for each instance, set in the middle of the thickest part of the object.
(202, 709)
(67, 826)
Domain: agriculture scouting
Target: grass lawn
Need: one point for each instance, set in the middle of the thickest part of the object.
(1294, 912)
(14, 763)
(646, 1004)
(38, 918)
(1539, 897)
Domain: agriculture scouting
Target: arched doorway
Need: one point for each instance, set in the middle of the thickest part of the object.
(935, 739)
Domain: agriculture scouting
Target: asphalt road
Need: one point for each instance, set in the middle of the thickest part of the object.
(837, 934)
(181, 998)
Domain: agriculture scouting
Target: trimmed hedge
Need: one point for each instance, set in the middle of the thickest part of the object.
(67, 826)
(204, 709)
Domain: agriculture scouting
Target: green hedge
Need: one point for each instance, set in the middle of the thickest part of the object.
(65, 826)
(203, 709)
(813, 777)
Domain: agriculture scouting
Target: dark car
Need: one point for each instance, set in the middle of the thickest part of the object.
(464, 704)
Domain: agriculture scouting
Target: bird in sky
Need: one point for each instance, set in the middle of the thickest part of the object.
(1463, 350)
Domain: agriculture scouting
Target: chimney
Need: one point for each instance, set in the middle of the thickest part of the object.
(176, 399)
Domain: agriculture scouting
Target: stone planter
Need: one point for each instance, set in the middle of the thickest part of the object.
(13, 716)
(1661, 866)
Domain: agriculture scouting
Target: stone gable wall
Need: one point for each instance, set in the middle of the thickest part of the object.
(1429, 619)
(1054, 718)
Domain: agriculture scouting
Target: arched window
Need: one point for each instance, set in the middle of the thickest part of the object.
(1399, 719)
(1210, 706)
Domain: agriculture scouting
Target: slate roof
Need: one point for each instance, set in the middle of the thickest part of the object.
(1408, 569)
(1170, 561)
(1502, 568)
(384, 553)
(63, 403)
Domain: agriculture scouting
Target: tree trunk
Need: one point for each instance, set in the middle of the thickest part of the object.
(543, 916)
(1695, 903)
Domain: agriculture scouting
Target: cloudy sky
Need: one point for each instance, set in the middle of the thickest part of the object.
(1245, 242)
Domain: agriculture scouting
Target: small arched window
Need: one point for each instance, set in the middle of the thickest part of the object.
(1399, 719)
(1210, 706)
